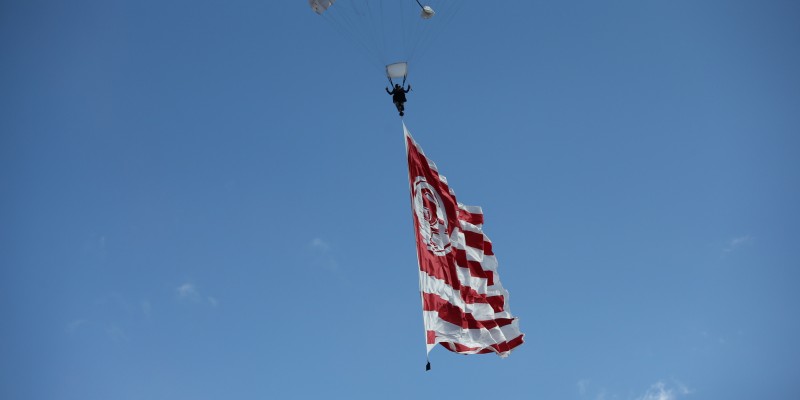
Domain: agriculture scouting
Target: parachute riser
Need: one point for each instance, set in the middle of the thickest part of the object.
(391, 82)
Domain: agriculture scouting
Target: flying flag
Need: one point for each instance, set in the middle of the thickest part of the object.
(465, 308)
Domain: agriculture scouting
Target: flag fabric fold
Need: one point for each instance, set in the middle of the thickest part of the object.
(465, 307)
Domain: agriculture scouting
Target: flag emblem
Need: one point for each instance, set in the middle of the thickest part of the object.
(431, 217)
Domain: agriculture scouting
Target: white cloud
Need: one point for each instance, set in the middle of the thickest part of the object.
(738, 242)
(683, 389)
(116, 333)
(662, 391)
(74, 325)
(94, 248)
(187, 291)
(658, 392)
(582, 385)
(320, 245)
(146, 308)
(322, 253)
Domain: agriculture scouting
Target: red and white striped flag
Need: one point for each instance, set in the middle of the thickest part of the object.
(465, 307)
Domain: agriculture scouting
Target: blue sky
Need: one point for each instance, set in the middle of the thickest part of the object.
(208, 199)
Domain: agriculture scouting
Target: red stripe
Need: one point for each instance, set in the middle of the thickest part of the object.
(466, 216)
(440, 268)
(468, 294)
(487, 248)
(501, 347)
(497, 303)
(475, 268)
(456, 316)
(474, 239)
(431, 336)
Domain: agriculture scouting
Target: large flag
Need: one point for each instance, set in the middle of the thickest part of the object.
(465, 308)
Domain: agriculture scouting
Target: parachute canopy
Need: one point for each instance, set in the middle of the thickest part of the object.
(391, 33)
(319, 6)
(397, 70)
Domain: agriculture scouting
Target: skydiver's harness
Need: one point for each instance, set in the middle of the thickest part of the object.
(391, 84)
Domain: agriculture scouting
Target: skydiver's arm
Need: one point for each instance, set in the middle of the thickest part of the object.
(387, 90)
(409, 88)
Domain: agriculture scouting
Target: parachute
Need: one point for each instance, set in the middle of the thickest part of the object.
(391, 33)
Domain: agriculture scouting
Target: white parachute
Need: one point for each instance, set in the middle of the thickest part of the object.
(391, 33)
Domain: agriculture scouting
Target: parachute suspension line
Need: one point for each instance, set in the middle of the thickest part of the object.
(382, 33)
(343, 22)
(447, 8)
(411, 29)
(423, 27)
(391, 31)
(404, 31)
(376, 33)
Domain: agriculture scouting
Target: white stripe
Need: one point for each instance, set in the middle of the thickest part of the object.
(445, 291)
(471, 209)
(468, 226)
(447, 332)
(488, 262)
(481, 285)
(481, 311)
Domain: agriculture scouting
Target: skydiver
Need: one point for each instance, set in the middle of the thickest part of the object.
(399, 97)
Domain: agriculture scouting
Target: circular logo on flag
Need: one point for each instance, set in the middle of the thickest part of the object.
(431, 217)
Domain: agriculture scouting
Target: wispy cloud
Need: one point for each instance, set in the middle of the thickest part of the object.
(187, 291)
(586, 391)
(74, 325)
(321, 245)
(146, 308)
(683, 389)
(322, 253)
(738, 242)
(116, 333)
(94, 248)
(83, 326)
(582, 386)
(190, 292)
(662, 391)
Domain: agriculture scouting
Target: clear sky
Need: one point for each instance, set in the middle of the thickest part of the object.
(209, 200)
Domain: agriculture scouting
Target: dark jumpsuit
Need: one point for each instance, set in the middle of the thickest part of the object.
(399, 97)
